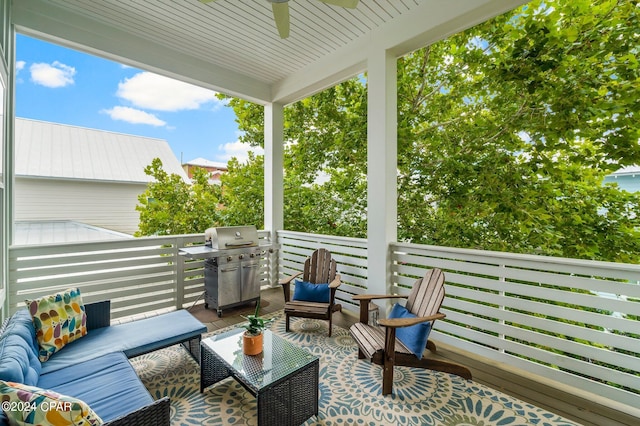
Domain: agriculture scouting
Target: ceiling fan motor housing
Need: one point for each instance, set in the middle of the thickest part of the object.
(281, 12)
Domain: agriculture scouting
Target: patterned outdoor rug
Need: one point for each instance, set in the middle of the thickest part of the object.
(350, 389)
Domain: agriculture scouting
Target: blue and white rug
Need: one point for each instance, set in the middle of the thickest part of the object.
(350, 389)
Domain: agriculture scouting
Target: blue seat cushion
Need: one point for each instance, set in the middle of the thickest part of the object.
(19, 351)
(309, 292)
(413, 337)
(133, 338)
(108, 384)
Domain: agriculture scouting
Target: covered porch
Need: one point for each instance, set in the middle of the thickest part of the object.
(555, 332)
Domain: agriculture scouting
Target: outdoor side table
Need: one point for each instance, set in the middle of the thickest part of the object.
(283, 378)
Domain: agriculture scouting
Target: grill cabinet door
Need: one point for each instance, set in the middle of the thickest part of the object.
(229, 290)
(250, 282)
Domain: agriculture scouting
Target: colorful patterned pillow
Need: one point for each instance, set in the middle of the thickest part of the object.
(30, 405)
(58, 319)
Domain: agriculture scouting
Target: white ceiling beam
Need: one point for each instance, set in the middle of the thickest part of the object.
(432, 21)
(42, 19)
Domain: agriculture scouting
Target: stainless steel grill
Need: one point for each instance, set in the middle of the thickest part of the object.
(232, 260)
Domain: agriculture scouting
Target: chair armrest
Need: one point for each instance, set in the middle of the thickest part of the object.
(365, 299)
(369, 297)
(336, 282)
(98, 314)
(156, 414)
(288, 279)
(406, 322)
(286, 286)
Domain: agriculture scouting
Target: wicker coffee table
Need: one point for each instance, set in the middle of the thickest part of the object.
(283, 378)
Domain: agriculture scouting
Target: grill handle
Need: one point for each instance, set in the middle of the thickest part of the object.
(241, 244)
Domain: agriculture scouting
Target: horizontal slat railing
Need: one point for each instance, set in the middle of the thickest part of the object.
(566, 320)
(349, 253)
(139, 275)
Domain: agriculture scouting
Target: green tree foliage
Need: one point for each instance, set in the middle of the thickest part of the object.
(243, 192)
(508, 129)
(325, 165)
(170, 206)
(505, 133)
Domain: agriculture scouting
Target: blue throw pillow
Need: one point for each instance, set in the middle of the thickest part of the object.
(309, 292)
(414, 337)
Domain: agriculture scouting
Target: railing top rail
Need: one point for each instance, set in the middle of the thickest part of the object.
(307, 236)
(485, 254)
(101, 245)
(125, 241)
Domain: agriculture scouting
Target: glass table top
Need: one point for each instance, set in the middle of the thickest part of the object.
(278, 359)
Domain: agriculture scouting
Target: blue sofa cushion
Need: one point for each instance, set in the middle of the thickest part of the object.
(133, 338)
(19, 351)
(108, 384)
(414, 337)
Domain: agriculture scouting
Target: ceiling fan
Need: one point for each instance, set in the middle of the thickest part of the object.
(281, 12)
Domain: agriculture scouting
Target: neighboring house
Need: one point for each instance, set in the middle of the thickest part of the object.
(215, 169)
(61, 231)
(85, 175)
(627, 178)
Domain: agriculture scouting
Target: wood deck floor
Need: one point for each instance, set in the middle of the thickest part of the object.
(564, 401)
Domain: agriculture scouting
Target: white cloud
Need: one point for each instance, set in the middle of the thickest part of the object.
(134, 116)
(19, 67)
(152, 91)
(52, 75)
(239, 150)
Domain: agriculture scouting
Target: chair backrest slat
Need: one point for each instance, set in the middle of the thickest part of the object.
(320, 268)
(427, 294)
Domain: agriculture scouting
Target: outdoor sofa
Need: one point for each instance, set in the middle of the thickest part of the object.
(95, 368)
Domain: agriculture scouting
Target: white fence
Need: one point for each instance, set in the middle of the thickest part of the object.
(138, 275)
(572, 321)
(569, 320)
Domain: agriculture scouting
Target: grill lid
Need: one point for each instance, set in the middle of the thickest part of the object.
(227, 237)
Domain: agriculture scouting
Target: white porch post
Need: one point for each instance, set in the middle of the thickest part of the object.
(273, 176)
(382, 155)
(7, 173)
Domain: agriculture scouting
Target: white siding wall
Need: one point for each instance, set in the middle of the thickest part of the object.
(105, 204)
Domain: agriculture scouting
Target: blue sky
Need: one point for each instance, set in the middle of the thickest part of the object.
(66, 86)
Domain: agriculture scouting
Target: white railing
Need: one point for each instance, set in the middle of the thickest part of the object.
(138, 275)
(567, 320)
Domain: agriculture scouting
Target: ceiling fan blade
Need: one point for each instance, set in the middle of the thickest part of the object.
(351, 4)
(281, 16)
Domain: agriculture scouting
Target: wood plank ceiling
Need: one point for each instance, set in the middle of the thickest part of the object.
(241, 34)
(234, 44)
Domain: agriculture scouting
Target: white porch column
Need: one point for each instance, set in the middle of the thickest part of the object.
(382, 153)
(273, 175)
(7, 169)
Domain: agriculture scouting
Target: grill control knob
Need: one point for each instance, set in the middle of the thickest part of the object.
(241, 256)
(252, 255)
(229, 258)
